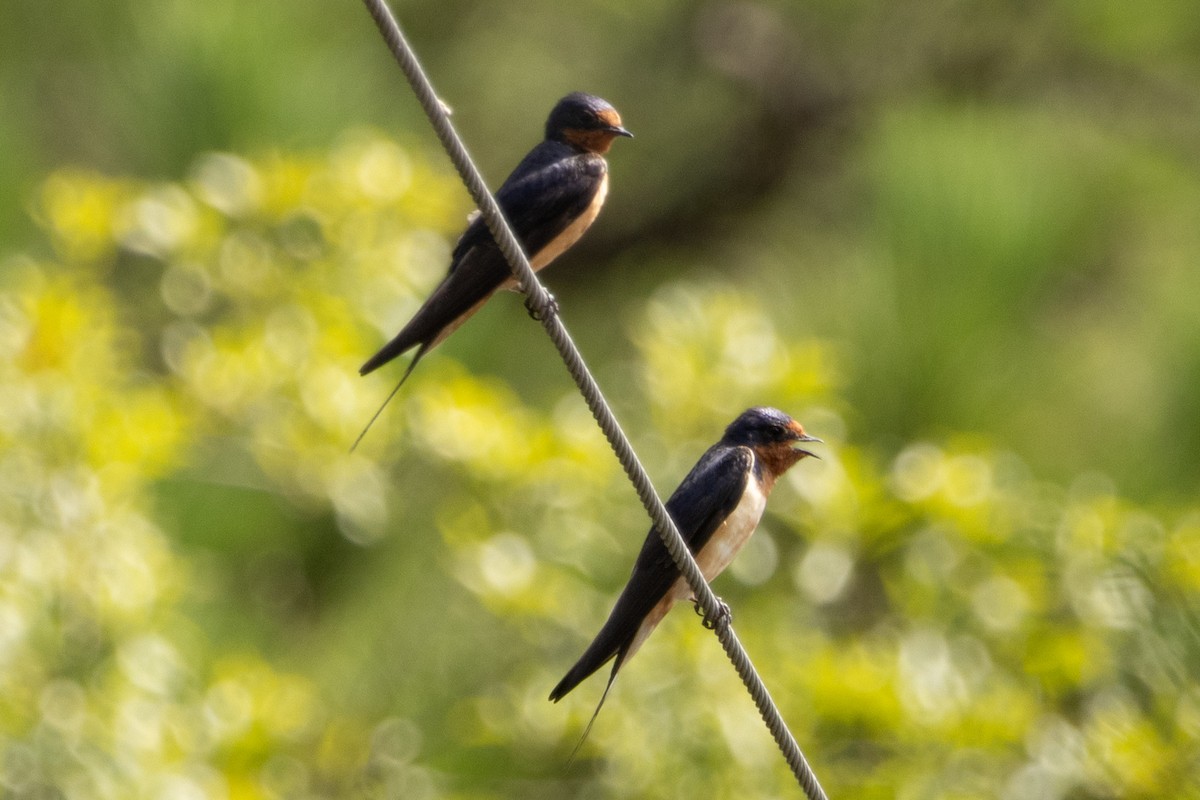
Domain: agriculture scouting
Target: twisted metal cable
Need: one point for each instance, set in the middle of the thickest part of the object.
(543, 308)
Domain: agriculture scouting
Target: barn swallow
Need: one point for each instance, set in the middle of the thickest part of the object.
(550, 199)
(716, 509)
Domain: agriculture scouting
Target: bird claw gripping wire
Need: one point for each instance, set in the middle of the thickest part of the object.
(722, 618)
(539, 311)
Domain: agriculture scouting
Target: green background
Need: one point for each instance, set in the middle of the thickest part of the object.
(956, 240)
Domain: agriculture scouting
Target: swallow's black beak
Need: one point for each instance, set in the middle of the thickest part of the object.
(617, 130)
(806, 438)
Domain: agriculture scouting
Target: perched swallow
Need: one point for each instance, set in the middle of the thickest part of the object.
(716, 508)
(550, 199)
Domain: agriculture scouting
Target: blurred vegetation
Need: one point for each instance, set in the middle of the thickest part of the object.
(934, 187)
(957, 241)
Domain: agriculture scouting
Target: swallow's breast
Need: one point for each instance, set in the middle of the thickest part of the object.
(570, 235)
(728, 540)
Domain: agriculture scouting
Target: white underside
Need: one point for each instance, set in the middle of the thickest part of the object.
(574, 231)
(717, 553)
(557, 246)
(570, 235)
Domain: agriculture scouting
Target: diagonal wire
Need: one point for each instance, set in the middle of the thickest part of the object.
(543, 307)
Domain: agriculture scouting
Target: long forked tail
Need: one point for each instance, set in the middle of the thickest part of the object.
(400, 342)
(611, 677)
(411, 365)
(603, 649)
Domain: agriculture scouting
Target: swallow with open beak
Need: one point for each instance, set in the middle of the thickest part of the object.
(716, 509)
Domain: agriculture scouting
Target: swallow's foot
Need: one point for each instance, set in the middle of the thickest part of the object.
(721, 619)
(550, 309)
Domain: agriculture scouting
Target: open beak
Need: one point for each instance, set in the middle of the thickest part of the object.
(804, 437)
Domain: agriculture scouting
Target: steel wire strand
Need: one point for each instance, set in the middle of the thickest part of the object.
(542, 306)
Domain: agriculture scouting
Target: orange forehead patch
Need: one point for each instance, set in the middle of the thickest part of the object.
(609, 116)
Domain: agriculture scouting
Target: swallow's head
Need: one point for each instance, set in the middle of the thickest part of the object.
(773, 435)
(585, 122)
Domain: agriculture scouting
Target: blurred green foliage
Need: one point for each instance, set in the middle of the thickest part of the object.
(956, 240)
(206, 595)
(933, 187)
